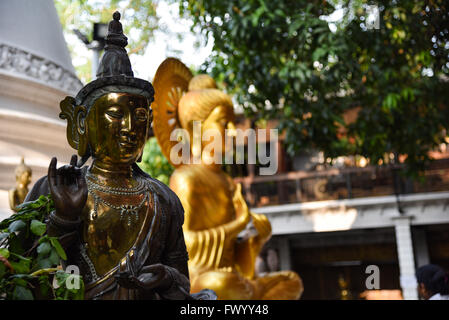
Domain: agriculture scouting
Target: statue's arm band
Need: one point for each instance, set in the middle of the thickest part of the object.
(61, 223)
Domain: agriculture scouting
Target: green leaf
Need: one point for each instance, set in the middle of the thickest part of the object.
(318, 54)
(44, 248)
(16, 226)
(279, 12)
(55, 243)
(54, 258)
(22, 293)
(20, 282)
(22, 266)
(25, 205)
(43, 264)
(44, 239)
(38, 228)
(4, 252)
(61, 278)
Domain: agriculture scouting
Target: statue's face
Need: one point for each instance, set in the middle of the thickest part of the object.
(25, 177)
(117, 127)
(221, 119)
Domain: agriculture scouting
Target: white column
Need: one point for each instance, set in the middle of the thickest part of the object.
(406, 259)
(285, 261)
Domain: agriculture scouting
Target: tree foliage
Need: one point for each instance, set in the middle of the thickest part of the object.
(139, 21)
(282, 61)
(154, 162)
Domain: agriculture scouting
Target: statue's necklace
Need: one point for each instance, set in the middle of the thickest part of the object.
(127, 211)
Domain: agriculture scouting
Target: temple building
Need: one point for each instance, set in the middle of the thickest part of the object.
(36, 73)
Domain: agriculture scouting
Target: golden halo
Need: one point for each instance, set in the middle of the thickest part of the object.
(170, 83)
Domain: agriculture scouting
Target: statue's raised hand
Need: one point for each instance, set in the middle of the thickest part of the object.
(68, 189)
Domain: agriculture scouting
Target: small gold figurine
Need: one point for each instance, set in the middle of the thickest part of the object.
(215, 210)
(23, 178)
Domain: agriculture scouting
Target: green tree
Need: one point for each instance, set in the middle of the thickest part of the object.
(282, 61)
(154, 162)
(139, 21)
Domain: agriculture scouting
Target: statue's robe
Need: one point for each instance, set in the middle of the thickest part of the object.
(161, 240)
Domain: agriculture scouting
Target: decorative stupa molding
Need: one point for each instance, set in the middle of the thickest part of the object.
(31, 66)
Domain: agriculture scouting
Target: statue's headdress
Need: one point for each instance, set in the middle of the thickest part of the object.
(114, 75)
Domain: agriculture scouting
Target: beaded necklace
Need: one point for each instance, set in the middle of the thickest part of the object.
(127, 211)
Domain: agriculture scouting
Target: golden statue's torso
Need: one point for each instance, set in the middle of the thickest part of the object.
(110, 235)
(207, 198)
(209, 192)
(17, 196)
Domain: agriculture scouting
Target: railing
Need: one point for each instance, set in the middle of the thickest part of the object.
(335, 184)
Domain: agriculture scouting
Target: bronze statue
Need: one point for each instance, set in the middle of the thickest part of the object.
(23, 178)
(215, 211)
(121, 227)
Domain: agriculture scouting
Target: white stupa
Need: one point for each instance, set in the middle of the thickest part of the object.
(36, 73)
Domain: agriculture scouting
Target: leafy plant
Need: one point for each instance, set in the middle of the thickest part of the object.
(154, 162)
(30, 259)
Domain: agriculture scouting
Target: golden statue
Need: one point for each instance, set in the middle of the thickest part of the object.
(215, 210)
(122, 228)
(23, 179)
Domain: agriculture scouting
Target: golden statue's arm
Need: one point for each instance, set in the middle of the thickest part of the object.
(208, 246)
(248, 249)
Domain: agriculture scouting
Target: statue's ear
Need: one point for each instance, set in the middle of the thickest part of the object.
(76, 124)
(68, 113)
(81, 128)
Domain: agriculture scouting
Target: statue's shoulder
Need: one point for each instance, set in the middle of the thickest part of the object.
(181, 175)
(163, 191)
(166, 196)
(189, 175)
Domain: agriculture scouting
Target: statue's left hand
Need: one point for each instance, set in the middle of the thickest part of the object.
(154, 276)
